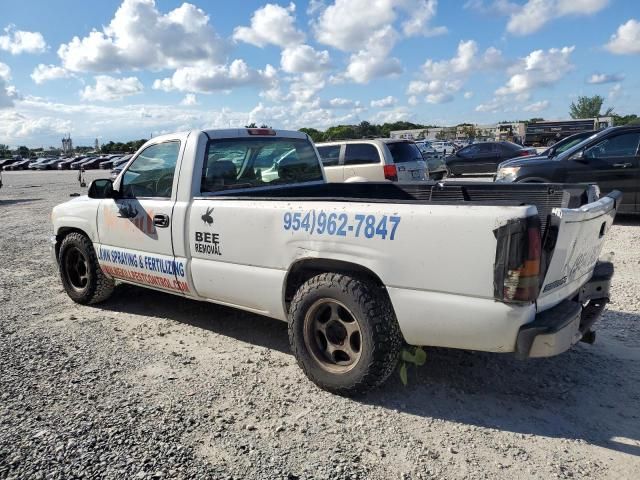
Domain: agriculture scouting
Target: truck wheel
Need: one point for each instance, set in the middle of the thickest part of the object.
(343, 333)
(82, 277)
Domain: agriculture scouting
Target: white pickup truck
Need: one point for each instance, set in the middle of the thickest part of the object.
(244, 218)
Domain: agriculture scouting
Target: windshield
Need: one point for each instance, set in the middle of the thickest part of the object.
(404, 152)
(234, 163)
(567, 143)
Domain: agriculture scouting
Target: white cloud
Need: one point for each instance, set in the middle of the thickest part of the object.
(413, 100)
(189, 100)
(8, 93)
(599, 78)
(538, 69)
(140, 37)
(18, 41)
(211, 78)
(109, 88)
(348, 24)
(389, 116)
(441, 79)
(373, 60)
(626, 40)
(304, 59)
(421, 14)
(615, 91)
(43, 73)
(5, 72)
(385, 102)
(534, 14)
(493, 106)
(536, 106)
(368, 30)
(341, 103)
(468, 95)
(271, 24)
(14, 126)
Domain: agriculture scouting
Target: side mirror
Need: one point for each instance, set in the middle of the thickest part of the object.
(101, 188)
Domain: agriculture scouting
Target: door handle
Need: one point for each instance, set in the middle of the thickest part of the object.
(622, 165)
(161, 220)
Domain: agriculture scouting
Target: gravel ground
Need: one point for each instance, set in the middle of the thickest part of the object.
(150, 386)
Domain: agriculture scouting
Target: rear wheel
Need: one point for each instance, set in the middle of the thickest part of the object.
(343, 333)
(82, 277)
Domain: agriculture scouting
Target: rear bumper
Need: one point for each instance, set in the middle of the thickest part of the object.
(555, 330)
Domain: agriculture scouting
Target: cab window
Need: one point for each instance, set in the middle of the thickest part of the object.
(151, 173)
(235, 163)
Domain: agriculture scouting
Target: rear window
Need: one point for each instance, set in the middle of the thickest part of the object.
(360, 153)
(404, 152)
(234, 163)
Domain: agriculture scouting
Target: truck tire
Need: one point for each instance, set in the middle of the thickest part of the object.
(82, 277)
(344, 333)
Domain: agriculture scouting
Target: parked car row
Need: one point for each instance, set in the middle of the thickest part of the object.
(57, 163)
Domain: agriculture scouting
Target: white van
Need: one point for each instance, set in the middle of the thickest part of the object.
(443, 147)
(373, 161)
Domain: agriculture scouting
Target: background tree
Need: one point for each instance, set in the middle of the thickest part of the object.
(316, 135)
(588, 107)
(4, 150)
(625, 119)
(251, 125)
(469, 131)
(23, 151)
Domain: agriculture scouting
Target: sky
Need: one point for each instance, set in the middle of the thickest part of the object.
(127, 69)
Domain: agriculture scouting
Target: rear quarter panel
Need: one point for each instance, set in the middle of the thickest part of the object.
(241, 255)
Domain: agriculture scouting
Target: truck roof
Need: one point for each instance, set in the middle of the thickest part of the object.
(253, 132)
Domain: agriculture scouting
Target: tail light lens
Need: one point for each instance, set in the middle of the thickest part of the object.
(390, 172)
(518, 258)
(261, 131)
(523, 153)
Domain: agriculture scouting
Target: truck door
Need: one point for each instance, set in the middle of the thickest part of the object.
(135, 228)
(614, 164)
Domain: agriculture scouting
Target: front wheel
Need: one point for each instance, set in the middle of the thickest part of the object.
(343, 333)
(82, 277)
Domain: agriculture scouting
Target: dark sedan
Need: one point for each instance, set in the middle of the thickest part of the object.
(610, 158)
(17, 165)
(66, 165)
(49, 165)
(89, 164)
(9, 161)
(484, 157)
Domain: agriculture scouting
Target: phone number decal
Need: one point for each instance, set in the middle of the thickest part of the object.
(342, 224)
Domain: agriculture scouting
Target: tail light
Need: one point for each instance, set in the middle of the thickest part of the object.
(390, 172)
(261, 131)
(518, 259)
(523, 153)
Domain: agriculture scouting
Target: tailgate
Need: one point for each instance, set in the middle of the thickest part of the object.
(578, 235)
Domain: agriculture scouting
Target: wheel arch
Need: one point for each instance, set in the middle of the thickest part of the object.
(302, 270)
(63, 232)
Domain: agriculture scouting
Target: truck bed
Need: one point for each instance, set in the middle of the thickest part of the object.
(544, 196)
